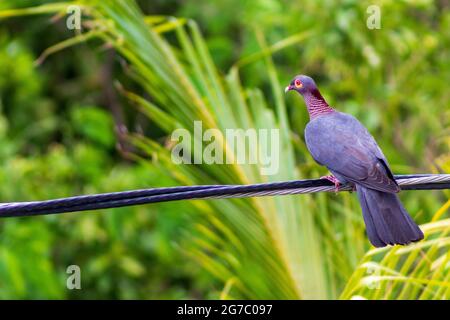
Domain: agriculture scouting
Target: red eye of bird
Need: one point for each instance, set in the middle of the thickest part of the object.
(298, 83)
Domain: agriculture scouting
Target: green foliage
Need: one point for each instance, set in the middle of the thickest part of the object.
(393, 79)
(413, 272)
(94, 124)
(124, 253)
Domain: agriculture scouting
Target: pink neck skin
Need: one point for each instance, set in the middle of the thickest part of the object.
(316, 104)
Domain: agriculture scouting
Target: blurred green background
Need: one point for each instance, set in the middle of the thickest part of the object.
(86, 120)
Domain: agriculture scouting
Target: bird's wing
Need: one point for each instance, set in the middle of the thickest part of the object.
(342, 144)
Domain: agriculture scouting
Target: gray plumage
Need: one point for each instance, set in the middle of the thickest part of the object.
(342, 144)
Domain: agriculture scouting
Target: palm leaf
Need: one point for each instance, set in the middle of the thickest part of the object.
(419, 271)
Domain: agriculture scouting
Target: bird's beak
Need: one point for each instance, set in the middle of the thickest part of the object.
(287, 89)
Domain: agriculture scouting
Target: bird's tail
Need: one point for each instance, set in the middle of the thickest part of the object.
(387, 221)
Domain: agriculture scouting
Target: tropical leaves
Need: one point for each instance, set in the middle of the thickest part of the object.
(421, 271)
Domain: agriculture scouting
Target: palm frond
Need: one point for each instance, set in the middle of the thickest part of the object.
(418, 271)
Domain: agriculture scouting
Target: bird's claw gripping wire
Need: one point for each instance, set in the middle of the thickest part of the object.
(337, 183)
(334, 180)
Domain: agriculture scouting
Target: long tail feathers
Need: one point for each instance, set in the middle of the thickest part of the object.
(387, 221)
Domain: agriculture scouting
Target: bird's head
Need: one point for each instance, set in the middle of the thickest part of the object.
(301, 84)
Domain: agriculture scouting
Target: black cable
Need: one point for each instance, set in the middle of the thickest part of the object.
(144, 196)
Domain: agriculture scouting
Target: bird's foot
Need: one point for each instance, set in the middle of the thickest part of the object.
(333, 179)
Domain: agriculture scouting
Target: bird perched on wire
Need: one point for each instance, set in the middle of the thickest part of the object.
(341, 143)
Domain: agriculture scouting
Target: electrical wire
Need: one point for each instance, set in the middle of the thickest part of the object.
(154, 195)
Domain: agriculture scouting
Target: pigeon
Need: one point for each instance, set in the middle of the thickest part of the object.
(341, 143)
